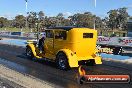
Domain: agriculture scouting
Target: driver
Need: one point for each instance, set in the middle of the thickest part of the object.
(41, 43)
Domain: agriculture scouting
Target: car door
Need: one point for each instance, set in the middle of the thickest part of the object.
(49, 49)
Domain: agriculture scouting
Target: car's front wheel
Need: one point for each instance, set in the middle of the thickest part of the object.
(29, 53)
(62, 62)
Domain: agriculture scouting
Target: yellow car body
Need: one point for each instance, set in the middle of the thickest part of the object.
(77, 44)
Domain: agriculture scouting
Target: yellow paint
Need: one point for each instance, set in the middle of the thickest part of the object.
(98, 60)
(34, 50)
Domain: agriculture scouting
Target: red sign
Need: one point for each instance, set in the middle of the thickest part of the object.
(107, 78)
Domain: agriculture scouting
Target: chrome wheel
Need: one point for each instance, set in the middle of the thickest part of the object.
(62, 62)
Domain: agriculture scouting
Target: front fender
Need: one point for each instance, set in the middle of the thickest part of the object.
(72, 58)
(33, 48)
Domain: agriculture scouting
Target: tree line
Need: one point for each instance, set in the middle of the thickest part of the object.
(116, 19)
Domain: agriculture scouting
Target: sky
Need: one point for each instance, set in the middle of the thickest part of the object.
(11, 8)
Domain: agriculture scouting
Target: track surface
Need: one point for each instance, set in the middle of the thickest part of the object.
(4, 83)
(14, 58)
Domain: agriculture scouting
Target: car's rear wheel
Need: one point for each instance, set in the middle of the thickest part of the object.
(62, 62)
(29, 53)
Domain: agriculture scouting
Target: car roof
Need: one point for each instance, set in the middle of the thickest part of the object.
(67, 28)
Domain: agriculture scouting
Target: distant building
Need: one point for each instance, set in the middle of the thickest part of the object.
(129, 27)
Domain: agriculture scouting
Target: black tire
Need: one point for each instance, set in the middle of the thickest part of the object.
(29, 53)
(81, 80)
(62, 62)
(91, 62)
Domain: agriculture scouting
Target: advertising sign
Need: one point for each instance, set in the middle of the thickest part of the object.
(119, 41)
(5, 33)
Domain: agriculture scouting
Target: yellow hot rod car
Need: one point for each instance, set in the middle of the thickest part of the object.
(68, 47)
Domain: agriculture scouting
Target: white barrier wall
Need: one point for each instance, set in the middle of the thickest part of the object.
(32, 35)
(121, 41)
(20, 34)
(5, 33)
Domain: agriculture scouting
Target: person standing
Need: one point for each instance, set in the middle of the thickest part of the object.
(41, 42)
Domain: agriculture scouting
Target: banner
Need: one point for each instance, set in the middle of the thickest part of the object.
(16, 33)
(119, 41)
(31, 35)
(5, 33)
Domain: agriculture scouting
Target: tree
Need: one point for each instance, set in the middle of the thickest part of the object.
(105, 23)
(20, 21)
(41, 19)
(41, 15)
(3, 22)
(66, 22)
(51, 21)
(74, 19)
(118, 18)
(113, 16)
(60, 18)
(122, 18)
(36, 18)
(98, 22)
(32, 19)
(83, 20)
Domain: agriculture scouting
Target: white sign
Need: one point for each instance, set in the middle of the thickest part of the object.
(121, 41)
